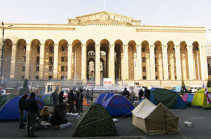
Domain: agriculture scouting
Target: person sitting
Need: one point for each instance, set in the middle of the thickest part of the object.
(45, 114)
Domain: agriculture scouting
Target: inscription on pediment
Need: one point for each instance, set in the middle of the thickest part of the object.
(104, 18)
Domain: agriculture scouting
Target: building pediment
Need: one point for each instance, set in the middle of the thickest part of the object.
(104, 18)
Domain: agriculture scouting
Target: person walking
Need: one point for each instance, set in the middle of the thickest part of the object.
(54, 97)
(71, 101)
(32, 111)
(22, 106)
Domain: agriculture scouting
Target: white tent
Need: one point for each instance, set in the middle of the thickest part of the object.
(154, 119)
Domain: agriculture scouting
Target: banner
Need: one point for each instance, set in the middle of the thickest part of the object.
(107, 81)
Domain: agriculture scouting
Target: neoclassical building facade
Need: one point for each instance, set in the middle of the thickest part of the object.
(105, 45)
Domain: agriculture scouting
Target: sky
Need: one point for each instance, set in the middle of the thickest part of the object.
(150, 12)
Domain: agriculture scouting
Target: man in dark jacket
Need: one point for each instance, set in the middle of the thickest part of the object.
(140, 94)
(71, 101)
(126, 93)
(32, 111)
(22, 105)
(54, 97)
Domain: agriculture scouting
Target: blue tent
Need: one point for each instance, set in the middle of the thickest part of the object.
(10, 110)
(100, 99)
(178, 101)
(118, 105)
(107, 96)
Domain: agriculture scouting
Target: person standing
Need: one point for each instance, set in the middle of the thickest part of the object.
(91, 96)
(61, 97)
(87, 96)
(54, 97)
(126, 93)
(140, 94)
(132, 96)
(32, 111)
(22, 106)
(81, 99)
(71, 101)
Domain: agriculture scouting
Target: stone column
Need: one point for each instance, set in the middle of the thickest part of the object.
(139, 64)
(148, 73)
(190, 62)
(122, 67)
(69, 64)
(160, 67)
(126, 61)
(178, 62)
(27, 64)
(152, 62)
(13, 62)
(135, 66)
(83, 62)
(97, 64)
(165, 62)
(111, 64)
(42, 61)
(203, 60)
(172, 70)
(55, 63)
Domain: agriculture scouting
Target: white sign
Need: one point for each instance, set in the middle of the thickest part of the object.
(107, 81)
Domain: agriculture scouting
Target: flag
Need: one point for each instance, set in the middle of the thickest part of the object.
(208, 95)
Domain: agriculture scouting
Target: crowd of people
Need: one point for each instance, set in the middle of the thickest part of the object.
(72, 102)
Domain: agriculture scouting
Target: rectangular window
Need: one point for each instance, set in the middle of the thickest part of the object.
(23, 68)
(51, 49)
(37, 77)
(63, 48)
(38, 49)
(50, 77)
(144, 69)
(22, 77)
(50, 68)
(50, 60)
(155, 60)
(156, 69)
(156, 77)
(143, 59)
(24, 48)
(143, 49)
(62, 77)
(24, 58)
(62, 68)
(37, 68)
(38, 60)
(144, 78)
(62, 59)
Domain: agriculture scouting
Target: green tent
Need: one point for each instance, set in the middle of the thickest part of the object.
(95, 122)
(200, 99)
(47, 100)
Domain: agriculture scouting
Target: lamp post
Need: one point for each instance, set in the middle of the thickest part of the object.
(2, 49)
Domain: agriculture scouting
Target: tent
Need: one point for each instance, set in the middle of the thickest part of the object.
(169, 98)
(100, 98)
(154, 119)
(200, 99)
(188, 98)
(95, 121)
(118, 105)
(9, 110)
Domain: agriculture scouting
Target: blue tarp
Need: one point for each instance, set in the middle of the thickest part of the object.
(10, 110)
(189, 99)
(100, 99)
(118, 105)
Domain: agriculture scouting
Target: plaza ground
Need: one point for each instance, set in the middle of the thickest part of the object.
(198, 116)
